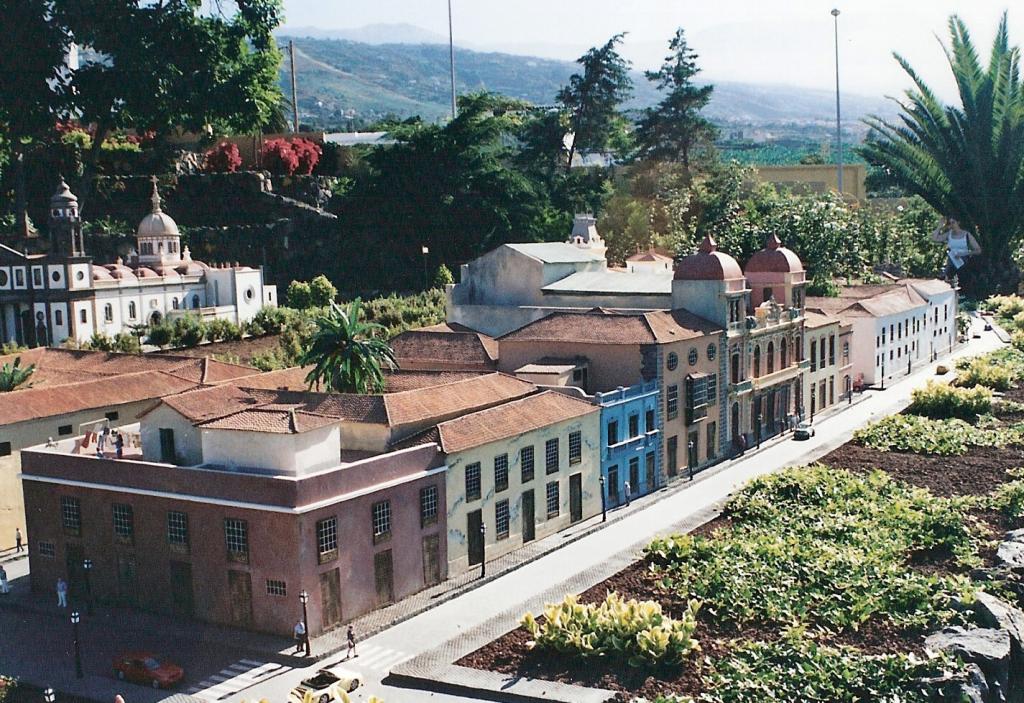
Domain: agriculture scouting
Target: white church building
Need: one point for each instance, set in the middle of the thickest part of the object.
(48, 298)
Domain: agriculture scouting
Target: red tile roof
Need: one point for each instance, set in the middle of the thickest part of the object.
(272, 420)
(445, 349)
(510, 420)
(410, 407)
(601, 327)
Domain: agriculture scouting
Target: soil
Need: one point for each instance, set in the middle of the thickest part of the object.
(244, 349)
(976, 473)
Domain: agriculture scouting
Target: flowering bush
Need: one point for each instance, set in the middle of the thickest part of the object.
(223, 158)
(287, 158)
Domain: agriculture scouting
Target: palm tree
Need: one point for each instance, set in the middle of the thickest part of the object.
(966, 161)
(345, 355)
(13, 375)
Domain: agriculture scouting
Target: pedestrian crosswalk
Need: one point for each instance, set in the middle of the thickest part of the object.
(233, 678)
(374, 658)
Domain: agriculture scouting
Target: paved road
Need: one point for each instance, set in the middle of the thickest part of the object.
(219, 674)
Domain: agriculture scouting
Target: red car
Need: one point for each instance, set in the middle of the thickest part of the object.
(147, 669)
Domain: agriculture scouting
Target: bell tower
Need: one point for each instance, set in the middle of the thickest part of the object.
(65, 223)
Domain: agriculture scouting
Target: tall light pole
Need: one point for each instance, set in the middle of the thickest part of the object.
(75, 619)
(49, 696)
(451, 56)
(839, 128)
(295, 98)
(304, 597)
(87, 568)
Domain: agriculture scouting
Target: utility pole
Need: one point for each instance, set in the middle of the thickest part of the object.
(295, 98)
(451, 56)
(839, 128)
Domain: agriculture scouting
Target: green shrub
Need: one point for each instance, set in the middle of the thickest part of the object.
(635, 631)
(782, 561)
(188, 330)
(823, 287)
(268, 321)
(939, 400)
(160, 335)
(322, 292)
(220, 329)
(299, 295)
(797, 668)
(922, 435)
(443, 277)
(1008, 498)
(981, 371)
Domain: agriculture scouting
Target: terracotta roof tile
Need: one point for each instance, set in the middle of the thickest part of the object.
(673, 325)
(445, 349)
(398, 381)
(814, 320)
(510, 420)
(439, 402)
(208, 403)
(273, 420)
(584, 328)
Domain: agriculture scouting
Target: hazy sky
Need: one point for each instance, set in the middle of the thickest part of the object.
(760, 41)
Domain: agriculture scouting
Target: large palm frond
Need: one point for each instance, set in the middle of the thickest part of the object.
(345, 355)
(14, 375)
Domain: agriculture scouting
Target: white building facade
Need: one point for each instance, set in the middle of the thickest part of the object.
(46, 299)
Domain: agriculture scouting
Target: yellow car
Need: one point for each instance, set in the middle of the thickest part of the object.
(326, 686)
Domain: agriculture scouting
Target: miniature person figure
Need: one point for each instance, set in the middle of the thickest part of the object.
(351, 637)
(101, 441)
(959, 245)
(300, 635)
(62, 593)
(4, 588)
(17, 541)
(628, 490)
(119, 444)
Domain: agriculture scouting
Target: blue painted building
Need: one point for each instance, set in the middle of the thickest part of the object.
(630, 441)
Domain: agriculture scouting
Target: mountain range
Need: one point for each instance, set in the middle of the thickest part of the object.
(402, 70)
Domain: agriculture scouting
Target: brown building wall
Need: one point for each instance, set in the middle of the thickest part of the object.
(610, 365)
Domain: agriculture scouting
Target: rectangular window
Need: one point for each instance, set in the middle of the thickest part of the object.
(58, 318)
(575, 447)
(613, 432)
(500, 473)
(501, 519)
(83, 316)
(634, 425)
(46, 549)
(552, 499)
(71, 515)
(428, 506)
(814, 355)
(672, 402)
(37, 277)
(64, 430)
(712, 389)
(649, 421)
(5, 448)
(696, 398)
(832, 350)
(327, 539)
(382, 520)
(236, 538)
(551, 455)
(473, 481)
(634, 476)
(19, 282)
(526, 463)
(177, 529)
(113, 415)
(276, 588)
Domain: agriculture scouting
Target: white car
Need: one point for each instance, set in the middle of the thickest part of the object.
(326, 686)
(804, 430)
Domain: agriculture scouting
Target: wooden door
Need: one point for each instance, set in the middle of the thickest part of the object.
(384, 577)
(650, 471)
(240, 593)
(575, 497)
(431, 560)
(330, 599)
(613, 486)
(529, 517)
(127, 583)
(475, 540)
(182, 598)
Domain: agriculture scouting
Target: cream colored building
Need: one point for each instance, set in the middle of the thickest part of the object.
(518, 472)
(817, 178)
(827, 349)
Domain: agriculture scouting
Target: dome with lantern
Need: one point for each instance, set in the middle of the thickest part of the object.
(708, 264)
(774, 258)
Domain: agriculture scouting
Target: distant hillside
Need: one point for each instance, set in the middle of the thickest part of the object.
(339, 77)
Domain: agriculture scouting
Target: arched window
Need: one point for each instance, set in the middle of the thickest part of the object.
(174, 303)
(735, 371)
(757, 360)
(771, 357)
(132, 312)
(195, 302)
(108, 313)
(83, 316)
(783, 354)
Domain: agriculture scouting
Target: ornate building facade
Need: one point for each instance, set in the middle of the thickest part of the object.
(48, 298)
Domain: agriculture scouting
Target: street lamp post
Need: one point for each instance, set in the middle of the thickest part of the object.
(759, 430)
(425, 250)
(75, 619)
(49, 696)
(839, 129)
(483, 549)
(690, 458)
(304, 598)
(87, 569)
(604, 501)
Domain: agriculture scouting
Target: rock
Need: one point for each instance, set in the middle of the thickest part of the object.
(995, 612)
(988, 648)
(1011, 551)
(967, 686)
(975, 688)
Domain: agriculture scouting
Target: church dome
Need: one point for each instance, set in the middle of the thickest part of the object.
(708, 264)
(774, 258)
(157, 223)
(144, 272)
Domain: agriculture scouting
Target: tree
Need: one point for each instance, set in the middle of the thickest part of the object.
(14, 375)
(966, 161)
(671, 129)
(299, 295)
(321, 291)
(443, 277)
(345, 355)
(182, 64)
(593, 97)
